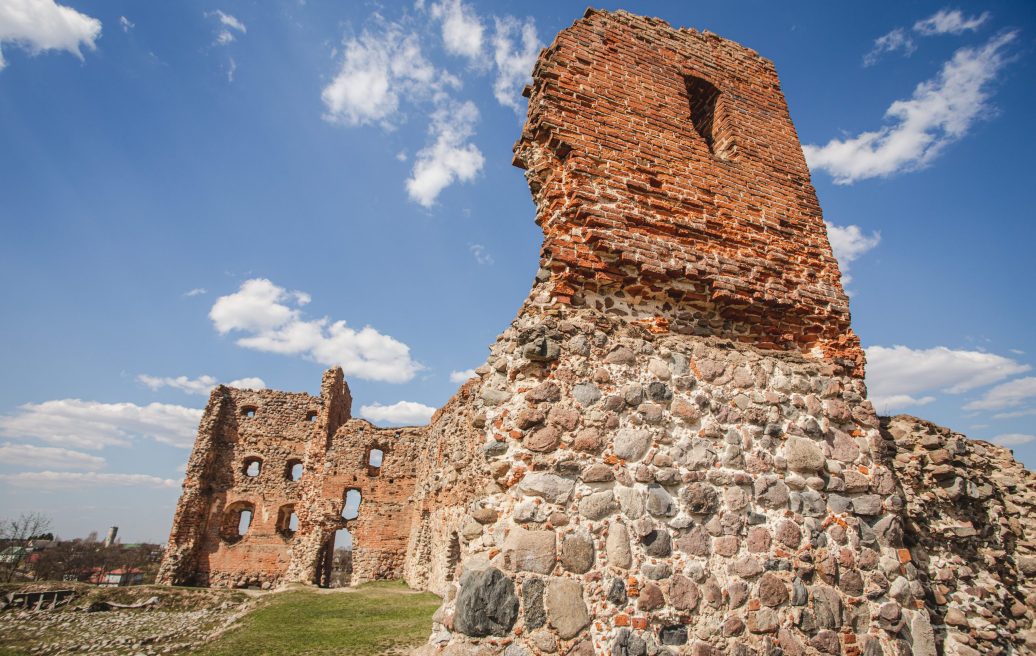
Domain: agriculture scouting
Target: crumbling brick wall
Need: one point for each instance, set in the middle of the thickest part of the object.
(283, 433)
(665, 167)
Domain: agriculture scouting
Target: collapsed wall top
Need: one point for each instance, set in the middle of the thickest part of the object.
(668, 177)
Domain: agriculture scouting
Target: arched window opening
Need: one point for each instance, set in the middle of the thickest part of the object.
(237, 518)
(293, 471)
(253, 466)
(248, 411)
(704, 99)
(287, 520)
(351, 509)
(311, 416)
(375, 457)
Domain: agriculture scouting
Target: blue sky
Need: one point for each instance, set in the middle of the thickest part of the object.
(202, 192)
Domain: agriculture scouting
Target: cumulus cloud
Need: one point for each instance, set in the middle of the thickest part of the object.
(940, 111)
(462, 376)
(897, 39)
(1013, 439)
(126, 24)
(848, 244)
(947, 21)
(250, 383)
(41, 25)
(228, 26)
(95, 425)
(48, 457)
(51, 480)
(481, 255)
(271, 318)
(462, 29)
(402, 412)
(451, 157)
(377, 69)
(515, 48)
(200, 385)
(1007, 395)
(899, 376)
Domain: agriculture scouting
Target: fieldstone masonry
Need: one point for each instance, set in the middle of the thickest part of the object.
(669, 451)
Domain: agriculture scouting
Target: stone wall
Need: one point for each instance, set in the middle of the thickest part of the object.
(282, 432)
(969, 519)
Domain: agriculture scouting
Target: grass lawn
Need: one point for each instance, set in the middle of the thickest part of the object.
(370, 620)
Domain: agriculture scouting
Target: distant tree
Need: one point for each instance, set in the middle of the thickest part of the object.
(15, 535)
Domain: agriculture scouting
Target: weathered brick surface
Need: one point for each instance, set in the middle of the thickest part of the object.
(287, 429)
(714, 219)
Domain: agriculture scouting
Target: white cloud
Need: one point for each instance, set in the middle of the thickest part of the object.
(481, 255)
(126, 24)
(1014, 414)
(947, 21)
(264, 311)
(377, 69)
(848, 244)
(897, 39)
(403, 412)
(40, 25)
(899, 376)
(939, 112)
(228, 25)
(513, 62)
(94, 425)
(197, 291)
(462, 376)
(251, 383)
(48, 457)
(201, 385)
(886, 404)
(450, 158)
(462, 29)
(1007, 395)
(51, 480)
(1013, 439)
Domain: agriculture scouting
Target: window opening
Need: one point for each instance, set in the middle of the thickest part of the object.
(244, 522)
(703, 96)
(248, 411)
(351, 509)
(252, 467)
(294, 470)
(311, 415)
(374, 459)
(287, 520)
(237, 518)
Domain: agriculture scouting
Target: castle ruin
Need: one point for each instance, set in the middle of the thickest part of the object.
(669, 450)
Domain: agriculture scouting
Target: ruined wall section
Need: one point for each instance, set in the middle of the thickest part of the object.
(309, 454)
(382, 526)
(970, 526)
(665, 168)
(254, 426)
(451, 474)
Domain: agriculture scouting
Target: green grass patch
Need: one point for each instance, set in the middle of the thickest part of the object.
(374, 619)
